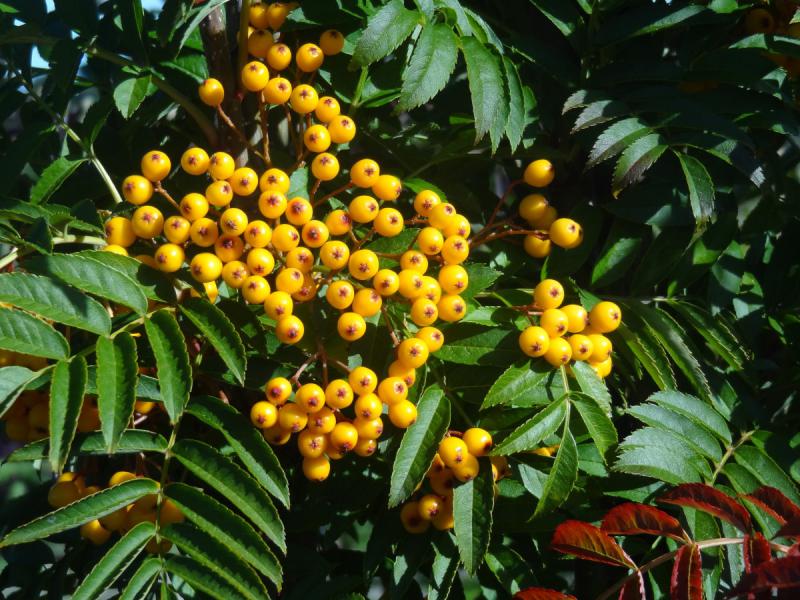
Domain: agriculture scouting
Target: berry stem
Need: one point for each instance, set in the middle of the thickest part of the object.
(324, 359)
(338, 190)
(502, 201)
(227, 120)
(158, 188)
(314, 190)
(390, 325)
(264, 121)
(309, 361)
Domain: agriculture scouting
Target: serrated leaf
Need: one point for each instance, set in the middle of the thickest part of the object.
(84, 510)
(692, 434)
(152, 282)
(516, 382)
(52, 177)
(215, 556)
(598, 423)
(200, 578)
(635, 160)
(246, 441)
(696, 410)
(650, 354)
(92, 276)
(473, 503)
(775, 503)
(430, 67)
(481, 278)
(561, 14)
(132, 441)
(701, 187)
(477, 345)
(592, 385)
(129, 94)
(115, 561)
(24, 333)
(686, 582)
(515, 126)
(13, 380)
(615, 139)
(53, 300)
(486, 86)
(385, 31)
(117, 374)
(418, 445)
(219, 331)
(599, 112)
(443, 568)
(710, 500)
(658, 454)
(764, 468)
(632, 518)
(172, 362)
(66, 398)
(621, 250)
(528, 435)
(563, 474)
(718, 335)
(221, 473)
(142, 580)
(226, 526)
(646, 20)
(588, 542)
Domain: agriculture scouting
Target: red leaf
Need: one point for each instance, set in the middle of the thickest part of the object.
(756, 551)
(687, 575)
(775, 503)
(633, 588)
(778, 574)
(590, 543)
(632, 518)
(790, 529)
(537, 593)
(706, 498)
(794, 550)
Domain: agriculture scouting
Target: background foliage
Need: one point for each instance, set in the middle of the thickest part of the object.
(674, 134)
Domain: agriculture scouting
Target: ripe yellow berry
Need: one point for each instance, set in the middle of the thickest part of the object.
(116, 521)
(255, 76)
(156, 165)
(430, 240)
(602, 368)
(257, 15)
(211, 92)
(548, 218)
(119, 231)
(533, 207)
(307, 291)
(177, 229)
(339, 394)
(442, 482)
(478, 441)
(344, 437)
(299, 211)
(425, 201)
(455, 250)
(539, 173)
(424, 312)
(351, 326)
(310, 397)
(334, 254)
(292, 417)
(304, 99)
(368, 407)
(204, 232)
(300, 258)
(95, 533)
(534, 341)
(195, 161)
(365, 447)
(235, 273)
(467, 469)
(316, 468)
(559, 353)
(289, 280)
(229, 247)
(411, 284)
(205, 267)
(429, 506)
(331, 42)
(219, 193)
(263, 415)
(255, 289)
(387, 187)
(259, 42)
(458, 225)
(566, 233)
(412, 353)
(277, 91)
(537, 245)
(147, 222)
(363, 380)
(452, 308)
(367, 302)
(309, 58)
(275, 180)
(244, 181)
(340, 294)
(277, 13)
(323, 421)
(194, 206)
(582, 347)
(137, 189)
(285, 237)
(453, 279)
(289, 329)
(442, 215)
(549, 293)
(412, 522)
(343, 129)
(272, 204)
(554, 322)
(397, 369)
(601, 347)
(365, 173)
(403, 414)
(258, 234)
(392, 390)
(386, 282)
(316, 138)
(414, 260)
(325, 166)
(363, 209)
(453, 451)
(327, 109)
(311, 444)
(169, 258)
(63, 493)
(605, 317)
(389, 222)
(221, 165)
(278, 390)
(278, 304)
(432, 337)
(338, 222)
(279, 56)
(277, 435)
(363, 264)
(577, 319)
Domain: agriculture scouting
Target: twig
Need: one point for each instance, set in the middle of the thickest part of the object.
(390, 325)
(264, 115)
(338, 190)
(502, 201)
(227, 120)
(728, 453)
(314, 189)
(159, 188)
(309, 361)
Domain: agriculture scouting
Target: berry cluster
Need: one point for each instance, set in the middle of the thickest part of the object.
(774, 18)
(71, 486)
(549, 338)
(28, 419)
(455, 461)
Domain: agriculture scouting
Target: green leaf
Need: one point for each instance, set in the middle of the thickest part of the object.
(636, 159)
(84, 510)
(117, 374)
(510, 569)
(515, 126)
(561, 14)
(246, 441)
(651, 355)
(702, 441)
(562, 477)
(385, 31)
(132, 441)
(659, 454)
(698, 411)
(172, 362)
(646, 20)
(592, 385)
(142, 580)
(92, 276)
(52, 177)
(394, 245)
(129, 94)
(528, 435)
(701, 187)
(24, 333)
(152, 282)
(215, 556)
(66, 398)
(13, 380)
(230, 480)
(418, 445)
(473, 503)
(443, 568)
(481, 278)
(115, 561)
(597, 421)
(430, 66)
(477, 345)
(766, 470)
(620, 251)
(615, 139)
(200, 578)
(226, 526)
(219, 331)
(717, 333)
(54, 300)
(516, 382)
(599, 112)
(486, 86)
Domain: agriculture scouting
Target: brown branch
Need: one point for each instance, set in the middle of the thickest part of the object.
(263, 112)
(309, 361)
(502, 201)
(390, 325)
(338, 190)
(159, 189)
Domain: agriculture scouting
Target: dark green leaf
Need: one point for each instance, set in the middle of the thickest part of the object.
(636, 159)
(172, 362)
(132, 441)
(478, 345)
(486, 86)
(562, 475)
(659, 454)
(200, 578)
(693, 435)
(117, 374)
(52, 177)
(615, 139)
(142, 580)
(516, 382)
(717, 333)
(561, 14)
(385, 31)
(698, 411)
(597, 421)
(153, 283)
(24, 333)
(599, 112)
(766, 470)
(219, 331)
(592, 385)
(473, 503)
(430, 66)
(443, 568)
(13, 380)
(618, 254)
(646, 20)
(66, 398)
(528, 435)
(701, 187)
(515, 126)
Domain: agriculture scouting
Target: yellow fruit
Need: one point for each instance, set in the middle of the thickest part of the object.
(95, 533)
(478, 441)
(582, 347)
(351, 326)
(363, 380)
(325, 166)
(277, 91)
(278, 304)
(316, 468)
(339, 394)
(119, 232)
(255, 76)
(537, 246)
(548, 294)
(577, 318)
(601, 347)
(433, 338)
(554, 322)
(533, 207)
(279, 56)
(403, 414)
(539, 173)
(386, 187)
(534, 341)
(605, 317)
(566, 233)
(275, 180)
(278, 390)
(559, 353)
(451, 308)
(63, 493)
(304, 99)
(177, 229)
(309, 58)
(365, 173)
(342, 130)
(155, 165)
(235, 273)
(211, 92)
(453, 451)
(331, 42)
(344, 437)
(412, 522)
(327, 109)
(195, 161)
(137, 189)
(289, 329)
(310, 397)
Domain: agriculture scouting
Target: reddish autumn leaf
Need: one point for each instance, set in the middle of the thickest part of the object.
(756, 551)
(537, 593)
(590, 543)
(687, 575)
(632, 518)
(775, 503)
(706, 498)
(633, 588)
(794, 550)
(778, 574)
(790, 529)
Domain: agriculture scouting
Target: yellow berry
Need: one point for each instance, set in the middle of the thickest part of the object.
(95, 533)
(342, 130)
(205, 267)
(577, 318)
(289, 329)
(278, 390)
(338, 222)
(194, 206)
(169, 258)
(119, 231)
(272, 204)
(344, 437)
(147, 222)
(478, 441)
(392, 390)
(453, 451)
(467, 470)
(292, 417)
(137, 189)
(325, 166)
(455, 250)
(277, 91)
(221, 165)
(289, 280)
(389, 222)
(602, 368)
(566, 233)
(258, 234)
(339, 394)
(327, 109)
(316, 468)
(533, 207)
(548, 218)
(229, 247)
(367, 302)
(277, 435)
(386, 187)
(204, 232)
(63, 493)
(310, 397)
(368, 407)
(277, 13)
(316, 138)
(311, 444)
(601, 347)
(365, 173)
(255, 76)
(363, 380)
(279, 56)
(412, 522)
(433, 338)
(263, 415)
(176, 229)
(304, 99)
(156, 165)
(259, 42)
(275, 180)
(351, 326)
(554, 322)
(363, 264)
(582, 347)
(334, 254)
(430, 240)
(549, 293)
(255, 289)
(397, 369)
(452, 308)
(411, 284)
(534, 341)
(559, 353)
(425, 201)
(211, 92)
(323, 421)
(537, 245)
(219, 193)
(386, 282)
(235, 273)
(278, 304)
(363, 209)
(300, 258)
(403, 414)
(442, 215)
(424, 312)
(257, 15)
(539, 173)
(285, 237)
(365, 447)
(195, 161)
(331, 42)
(299, 211)
(458, 225)
(412, 353)
(244, 181)
(605, 317)
(309, 58)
